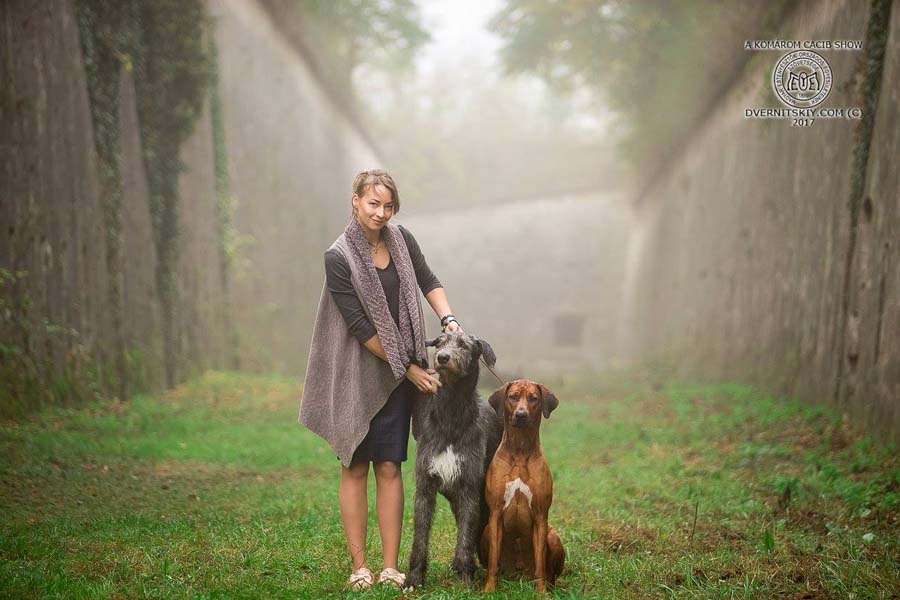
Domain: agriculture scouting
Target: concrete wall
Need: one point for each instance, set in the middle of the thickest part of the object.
(200, 327)
(540, 280)
(743, 240)
(292, 155)
(141, 318)
(871, 382)
(51, 224)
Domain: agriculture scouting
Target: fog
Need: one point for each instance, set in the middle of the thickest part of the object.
(597, 184)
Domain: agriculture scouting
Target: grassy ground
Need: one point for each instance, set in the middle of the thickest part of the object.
(662, 489)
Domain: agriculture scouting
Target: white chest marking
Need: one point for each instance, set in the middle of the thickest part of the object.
(446, 465)
(516, 485)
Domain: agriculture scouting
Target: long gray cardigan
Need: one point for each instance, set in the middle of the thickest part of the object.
(345, 384)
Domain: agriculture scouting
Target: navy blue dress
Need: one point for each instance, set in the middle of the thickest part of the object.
(388, 434)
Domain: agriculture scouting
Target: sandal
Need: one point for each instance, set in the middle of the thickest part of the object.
(361, 579)
(392, 575)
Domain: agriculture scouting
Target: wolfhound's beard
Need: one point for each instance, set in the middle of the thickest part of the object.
(451, 372)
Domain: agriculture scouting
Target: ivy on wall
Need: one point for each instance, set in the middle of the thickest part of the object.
(171, 77)
(226, 203)
(109, 41)
(163, 44)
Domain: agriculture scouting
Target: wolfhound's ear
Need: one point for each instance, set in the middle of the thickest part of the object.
(489, 357)
(497, 398)
(432, 342)
(548, 399)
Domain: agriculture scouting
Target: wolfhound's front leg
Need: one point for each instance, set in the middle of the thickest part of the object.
(467, 535)
(426, 491)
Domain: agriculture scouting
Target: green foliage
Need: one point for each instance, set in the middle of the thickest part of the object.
(378, 33)
(31, 378)
(226, 203)
(171, 78)
(453, 152)
(232, 243)
(785, 485)
(769, 540)
(163, 44)
(657, 64)
(109, 40)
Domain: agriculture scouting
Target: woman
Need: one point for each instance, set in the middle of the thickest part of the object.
(367, 362)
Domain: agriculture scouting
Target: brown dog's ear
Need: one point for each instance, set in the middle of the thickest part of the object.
(431, 343)
(497, 398)
(548, 399)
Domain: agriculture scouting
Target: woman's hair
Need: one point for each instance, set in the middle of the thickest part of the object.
(365, 179)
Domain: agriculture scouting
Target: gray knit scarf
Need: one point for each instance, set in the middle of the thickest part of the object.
(408, 344)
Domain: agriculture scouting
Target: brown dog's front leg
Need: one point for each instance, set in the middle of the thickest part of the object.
(494, 533)
(539, 542)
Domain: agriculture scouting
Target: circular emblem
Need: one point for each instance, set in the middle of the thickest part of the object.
(802, 79)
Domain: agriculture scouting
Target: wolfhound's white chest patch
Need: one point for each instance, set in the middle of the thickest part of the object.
(516, 485)
(446, 465)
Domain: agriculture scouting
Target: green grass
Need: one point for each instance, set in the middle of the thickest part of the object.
(662, 489)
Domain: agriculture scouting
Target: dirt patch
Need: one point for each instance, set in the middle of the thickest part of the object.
(842, 435)
(711, 534)
(219, 391)
(204, 471)
(803, 573)
(653, 406)
(81, 489)
(623, 538)
(885, 518)
(802, 434)
(716, 405)
(794, 579)
(701, 575)
(808, 520)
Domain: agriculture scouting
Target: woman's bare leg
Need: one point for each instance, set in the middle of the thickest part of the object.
(354, 509)
(389, 506)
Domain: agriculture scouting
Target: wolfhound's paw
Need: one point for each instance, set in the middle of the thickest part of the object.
(414, 579)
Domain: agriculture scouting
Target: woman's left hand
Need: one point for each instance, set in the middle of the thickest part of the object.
(453, 326)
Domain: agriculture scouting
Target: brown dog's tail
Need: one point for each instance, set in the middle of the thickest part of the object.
(556, 556)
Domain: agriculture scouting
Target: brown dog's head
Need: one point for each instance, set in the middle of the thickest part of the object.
(522, 402)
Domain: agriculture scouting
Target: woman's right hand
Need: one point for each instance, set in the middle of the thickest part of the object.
(426, 381)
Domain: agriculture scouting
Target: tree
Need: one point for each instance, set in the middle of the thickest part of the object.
(383, 34)
(656, 63)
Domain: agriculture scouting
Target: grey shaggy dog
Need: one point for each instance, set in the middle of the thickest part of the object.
(457, 434)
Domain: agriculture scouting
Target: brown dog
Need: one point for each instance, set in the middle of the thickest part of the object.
(519, 490)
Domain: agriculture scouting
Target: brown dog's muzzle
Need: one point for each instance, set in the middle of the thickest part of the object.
(520, 418)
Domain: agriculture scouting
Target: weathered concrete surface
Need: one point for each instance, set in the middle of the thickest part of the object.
(540, 280)
(871, 384)
(292, 156)
(743, 239)
(200, 319)
(141, 318)
(51, 224)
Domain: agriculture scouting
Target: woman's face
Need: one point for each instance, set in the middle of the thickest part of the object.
(375, 208)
